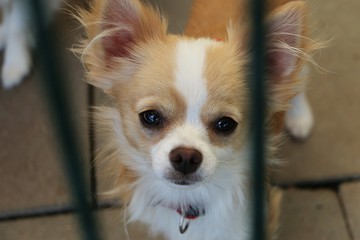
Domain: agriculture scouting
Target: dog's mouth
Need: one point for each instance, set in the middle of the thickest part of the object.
(184, 180)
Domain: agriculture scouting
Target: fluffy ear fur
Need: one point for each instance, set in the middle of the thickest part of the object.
(285, 50)
(285, 28)
(115, 28)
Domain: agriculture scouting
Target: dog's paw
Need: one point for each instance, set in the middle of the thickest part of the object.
(17, 65)
(299, 120)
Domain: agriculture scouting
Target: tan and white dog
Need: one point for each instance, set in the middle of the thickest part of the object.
(177, 141)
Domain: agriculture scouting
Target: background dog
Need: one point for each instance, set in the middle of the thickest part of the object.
(17, 38)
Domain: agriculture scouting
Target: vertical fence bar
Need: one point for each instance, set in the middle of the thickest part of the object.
(53, 79)
(258, 116)
(91, 131)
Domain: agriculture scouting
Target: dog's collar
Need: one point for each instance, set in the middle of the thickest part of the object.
(187, 214)
(191, 212)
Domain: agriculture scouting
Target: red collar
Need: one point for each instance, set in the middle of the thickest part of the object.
(192, 212)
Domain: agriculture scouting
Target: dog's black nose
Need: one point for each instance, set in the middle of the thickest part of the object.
(185, 160)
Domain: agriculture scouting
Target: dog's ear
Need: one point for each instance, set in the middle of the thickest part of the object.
(285, 49)
(284, 27)
(126, 23)
(114, 29)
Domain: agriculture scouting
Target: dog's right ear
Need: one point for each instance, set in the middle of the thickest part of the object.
(114, 28)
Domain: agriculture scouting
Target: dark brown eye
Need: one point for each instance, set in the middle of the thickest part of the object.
(151, 119)
(225, 125)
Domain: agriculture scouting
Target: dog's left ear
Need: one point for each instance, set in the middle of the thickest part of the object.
(284, 48)
(284, 27)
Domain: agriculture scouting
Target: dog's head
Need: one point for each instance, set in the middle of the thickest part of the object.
(183, 102)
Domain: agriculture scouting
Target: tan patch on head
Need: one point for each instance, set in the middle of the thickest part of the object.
(218, 14)
(150, 87)
(227, 90)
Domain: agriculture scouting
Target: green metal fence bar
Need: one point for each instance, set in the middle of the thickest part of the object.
(93, 180)
(60, 109)
(258, 116)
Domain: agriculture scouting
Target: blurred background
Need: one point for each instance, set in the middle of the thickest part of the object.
(320, 178)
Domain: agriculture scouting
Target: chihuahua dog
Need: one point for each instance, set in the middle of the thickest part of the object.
(177, 143)
(17, 38)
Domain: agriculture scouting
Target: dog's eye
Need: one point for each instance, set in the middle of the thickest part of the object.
(225, 125)
(151, 119)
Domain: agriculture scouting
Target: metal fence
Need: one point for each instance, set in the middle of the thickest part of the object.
(53, 82)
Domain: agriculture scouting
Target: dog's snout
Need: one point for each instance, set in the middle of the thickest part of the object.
(185, 160)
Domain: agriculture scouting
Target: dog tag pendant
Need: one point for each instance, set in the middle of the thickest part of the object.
(184, 223)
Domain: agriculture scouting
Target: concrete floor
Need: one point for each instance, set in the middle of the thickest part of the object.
(320, 180)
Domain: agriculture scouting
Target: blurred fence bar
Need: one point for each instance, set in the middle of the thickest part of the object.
(53, 79)
(258, 117)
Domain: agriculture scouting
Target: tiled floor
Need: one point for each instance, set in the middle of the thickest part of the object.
(321, 179)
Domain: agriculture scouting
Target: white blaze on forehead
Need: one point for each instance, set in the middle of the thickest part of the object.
(191, 84)
(189, 75)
